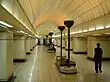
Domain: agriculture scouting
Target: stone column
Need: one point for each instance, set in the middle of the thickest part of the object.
(31, 44)
(28, 45)
(80, 45)
(19, 48)
(6, 56)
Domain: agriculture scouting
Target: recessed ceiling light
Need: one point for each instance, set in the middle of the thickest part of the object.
(72, 33)
(5, 24)
(91, 29)
(98, 28)
(85, 30)
(107, 26)
(2, 26)
(22, 31)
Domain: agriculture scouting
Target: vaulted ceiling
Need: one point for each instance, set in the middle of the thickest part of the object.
(41, 12)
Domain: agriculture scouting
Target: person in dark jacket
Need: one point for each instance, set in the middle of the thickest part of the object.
(98, 58)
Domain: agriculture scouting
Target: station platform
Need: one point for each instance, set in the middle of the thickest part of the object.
(40, 67)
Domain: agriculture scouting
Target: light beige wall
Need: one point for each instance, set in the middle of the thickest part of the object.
(9, 56)
(66, 40)
(59, 42)
(63, 42)
(105, 45)
(80, 44)
(31, 43)
(91, 44)
(41, 41)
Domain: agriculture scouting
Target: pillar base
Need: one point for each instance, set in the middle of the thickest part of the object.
(103, 59)
(34, 46)
(79, 52)
(19, 60)
(31, 49)
(63, 67)
(10, 79)
(28, 53)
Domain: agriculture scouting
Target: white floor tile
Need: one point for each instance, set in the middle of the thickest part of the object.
(40, 67)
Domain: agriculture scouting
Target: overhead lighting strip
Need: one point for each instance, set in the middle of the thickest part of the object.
(5, 24)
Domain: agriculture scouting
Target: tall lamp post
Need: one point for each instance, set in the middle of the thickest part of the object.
(51, 33)
(46, 42)
(68, 24)
(61, 28)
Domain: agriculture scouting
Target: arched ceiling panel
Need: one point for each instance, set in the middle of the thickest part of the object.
(81, 11)
(105, 8)
(64, 4)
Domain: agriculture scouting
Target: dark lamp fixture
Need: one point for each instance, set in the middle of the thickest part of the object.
(46, 35)
(51, 33)
(68, 23)
(61, 28)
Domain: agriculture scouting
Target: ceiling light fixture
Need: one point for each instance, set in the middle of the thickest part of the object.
(108, 26)
(2, 26)
(57, 35)
(85, 30)
(91, 29)
(98, 28)
(5, 24)
(72, 33)
(80, 31)
(23, 32)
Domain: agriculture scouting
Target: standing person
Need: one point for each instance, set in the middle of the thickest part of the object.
(98, 58)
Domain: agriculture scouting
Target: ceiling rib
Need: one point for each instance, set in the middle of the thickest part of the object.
(105, 8)
(90, 9)
(76, 7)
(67, 6)
(56, 8)
(32, 10)
(79, 10)
(25, 15)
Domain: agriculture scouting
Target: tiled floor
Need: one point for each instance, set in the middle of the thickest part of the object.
(40, 67)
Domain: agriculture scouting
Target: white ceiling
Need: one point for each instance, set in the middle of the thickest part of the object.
(45, 27)
(39, 11)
